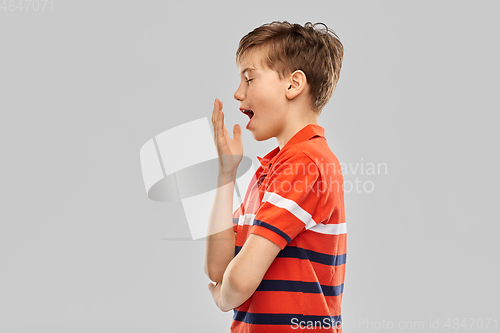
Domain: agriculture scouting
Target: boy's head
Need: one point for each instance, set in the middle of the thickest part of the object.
(287, 48)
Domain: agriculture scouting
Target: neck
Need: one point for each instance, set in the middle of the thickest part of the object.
(293, 128)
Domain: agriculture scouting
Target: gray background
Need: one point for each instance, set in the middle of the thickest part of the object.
(84, 86)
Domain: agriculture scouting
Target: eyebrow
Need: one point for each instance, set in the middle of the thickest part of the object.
(248, 69)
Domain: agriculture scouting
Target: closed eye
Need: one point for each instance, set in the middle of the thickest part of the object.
(248, 81)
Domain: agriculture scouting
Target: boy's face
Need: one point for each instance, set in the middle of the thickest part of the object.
(262, 91)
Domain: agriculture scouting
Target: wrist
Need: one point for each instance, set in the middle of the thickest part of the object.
(226, 177)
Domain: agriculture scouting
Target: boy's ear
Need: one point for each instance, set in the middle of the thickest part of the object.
(296, 84)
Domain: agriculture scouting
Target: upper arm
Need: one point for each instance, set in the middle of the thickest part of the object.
(291, 201)
(253, 261)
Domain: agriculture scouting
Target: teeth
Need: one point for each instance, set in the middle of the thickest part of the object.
(249, 113)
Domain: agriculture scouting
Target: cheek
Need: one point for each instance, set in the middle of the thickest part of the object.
(273, 98)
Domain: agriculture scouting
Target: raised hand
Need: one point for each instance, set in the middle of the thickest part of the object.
(230, 150)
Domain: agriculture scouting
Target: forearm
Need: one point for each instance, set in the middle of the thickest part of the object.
(245, 272)
(220, 240)
(234, 289)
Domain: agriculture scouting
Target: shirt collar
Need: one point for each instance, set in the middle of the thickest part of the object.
(264, 161)
(306, 133)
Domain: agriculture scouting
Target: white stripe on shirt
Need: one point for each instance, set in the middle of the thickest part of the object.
(330, 229)
(290, 206)
(246, 219)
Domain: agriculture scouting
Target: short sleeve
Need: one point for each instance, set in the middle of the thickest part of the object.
(289, 201)
(236, 217)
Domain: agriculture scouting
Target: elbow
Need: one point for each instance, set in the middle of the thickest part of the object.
(213, 274)
(240, 283)
(246, 288)
(242, 288)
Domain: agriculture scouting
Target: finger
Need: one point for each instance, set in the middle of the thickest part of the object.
(221, 124)
(237, 132)
(216, 120)
(215, 110)
(226, 132)
(213, 114)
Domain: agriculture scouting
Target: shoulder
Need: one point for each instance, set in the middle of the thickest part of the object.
(316, 156)
(295, 155)
(315, 150)
(294, 162)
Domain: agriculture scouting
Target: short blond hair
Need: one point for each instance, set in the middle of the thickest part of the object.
(289, 47)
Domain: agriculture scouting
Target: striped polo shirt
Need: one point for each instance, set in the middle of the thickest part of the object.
(296, 200)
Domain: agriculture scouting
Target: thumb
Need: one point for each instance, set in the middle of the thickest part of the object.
(237, 132)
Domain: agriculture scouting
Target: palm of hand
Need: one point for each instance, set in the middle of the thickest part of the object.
(230, 150)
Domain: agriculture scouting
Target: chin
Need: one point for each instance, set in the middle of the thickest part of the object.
(260, 137)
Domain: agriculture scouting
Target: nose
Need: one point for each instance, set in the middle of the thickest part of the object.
(239, 95)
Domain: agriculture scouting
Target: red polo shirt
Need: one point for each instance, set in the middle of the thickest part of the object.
(296, 200)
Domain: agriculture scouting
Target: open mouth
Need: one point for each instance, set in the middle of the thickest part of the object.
(249, 113)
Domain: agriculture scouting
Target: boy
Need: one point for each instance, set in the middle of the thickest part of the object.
(281, 266)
